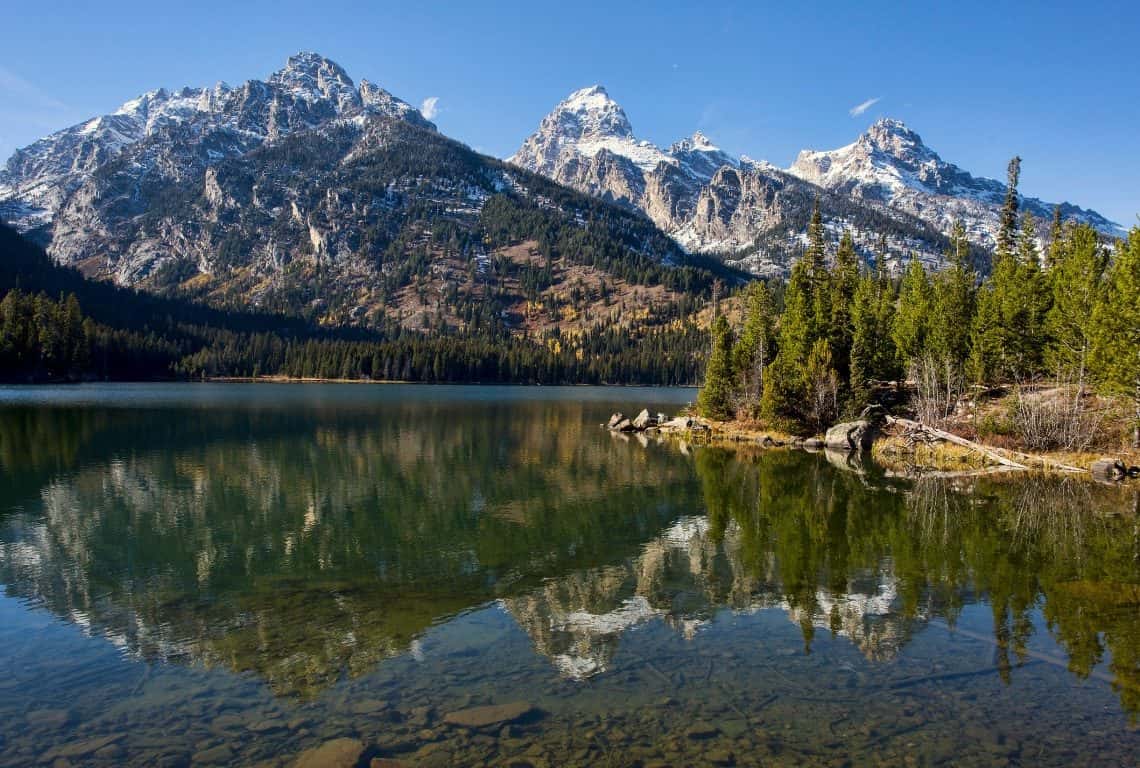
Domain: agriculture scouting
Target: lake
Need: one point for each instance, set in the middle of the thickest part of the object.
(232, 574)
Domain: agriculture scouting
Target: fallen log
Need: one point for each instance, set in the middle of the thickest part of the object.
(920, 428)
(1047, 462)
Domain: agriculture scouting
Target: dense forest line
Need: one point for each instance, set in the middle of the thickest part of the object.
(815, 348)
(57, 326)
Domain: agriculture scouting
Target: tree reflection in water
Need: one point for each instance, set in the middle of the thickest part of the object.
(302, 546)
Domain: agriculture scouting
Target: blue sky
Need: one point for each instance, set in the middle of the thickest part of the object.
(1057, 83)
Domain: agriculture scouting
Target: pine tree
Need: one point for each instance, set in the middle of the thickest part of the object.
(798, 330)
(912, 321)
(873, 355)
(953, 304)
(782, 396)
(987, 332)
(1116, 323)
(816, 254)
(1007, 335)
(844, 281)
(882, 273)
(1007, 231)
(1078, 267)
(1028, 302)
(756, 347)
(716, 397)
(818, 274)
(821, 383)
(1056, 235)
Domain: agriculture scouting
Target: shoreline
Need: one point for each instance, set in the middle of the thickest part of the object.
(890, 452)
(317, 380)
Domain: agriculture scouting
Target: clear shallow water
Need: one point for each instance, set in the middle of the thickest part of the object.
(231, 574)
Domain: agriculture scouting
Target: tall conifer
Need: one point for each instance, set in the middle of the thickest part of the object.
(716, 396)
(953, 304)
(844, 280)
(1007, 231)
(1078, 268)
(1116, 328)
(912, 320)
(756, 347)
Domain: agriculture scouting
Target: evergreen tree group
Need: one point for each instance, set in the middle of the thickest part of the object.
(812, 348)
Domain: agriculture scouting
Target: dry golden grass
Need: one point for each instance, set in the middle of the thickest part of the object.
(893, 452)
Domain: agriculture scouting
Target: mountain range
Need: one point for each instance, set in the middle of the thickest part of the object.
(309, 192)
(886, 182)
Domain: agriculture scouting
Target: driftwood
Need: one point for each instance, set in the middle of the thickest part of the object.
(1047, 462)
(916, 430)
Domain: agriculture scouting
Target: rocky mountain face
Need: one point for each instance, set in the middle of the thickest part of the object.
(708, 201)
(887, 182)
(308, 192)
(182, 131)
(890, 165)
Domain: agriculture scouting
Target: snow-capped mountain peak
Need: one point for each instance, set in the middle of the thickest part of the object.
(698, 142)
(699, 157)
(890, 165)
(591, 113)
(312, 77)
(308, 91)
(587, 124)
(897, 140)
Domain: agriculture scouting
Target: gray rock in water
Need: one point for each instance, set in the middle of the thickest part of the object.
(1109, 469)
(813, 444)
(851, 435)
(643, 420)
(625, 425)
(616, 419)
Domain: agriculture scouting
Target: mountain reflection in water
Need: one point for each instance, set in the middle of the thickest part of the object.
(306, 546)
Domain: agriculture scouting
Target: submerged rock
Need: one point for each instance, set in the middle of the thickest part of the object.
(700, 730)
(222, 754)
(368, 707)
(82, 748)
(48, 717)
(338, 753)
(493, 714)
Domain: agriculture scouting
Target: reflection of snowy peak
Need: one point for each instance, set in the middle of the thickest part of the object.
(890, 164)
(684, 577)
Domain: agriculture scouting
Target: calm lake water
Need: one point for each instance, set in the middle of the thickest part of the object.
(232, 574)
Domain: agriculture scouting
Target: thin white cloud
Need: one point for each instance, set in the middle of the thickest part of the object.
(859, 109)
(430, 107)
(13, 85)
